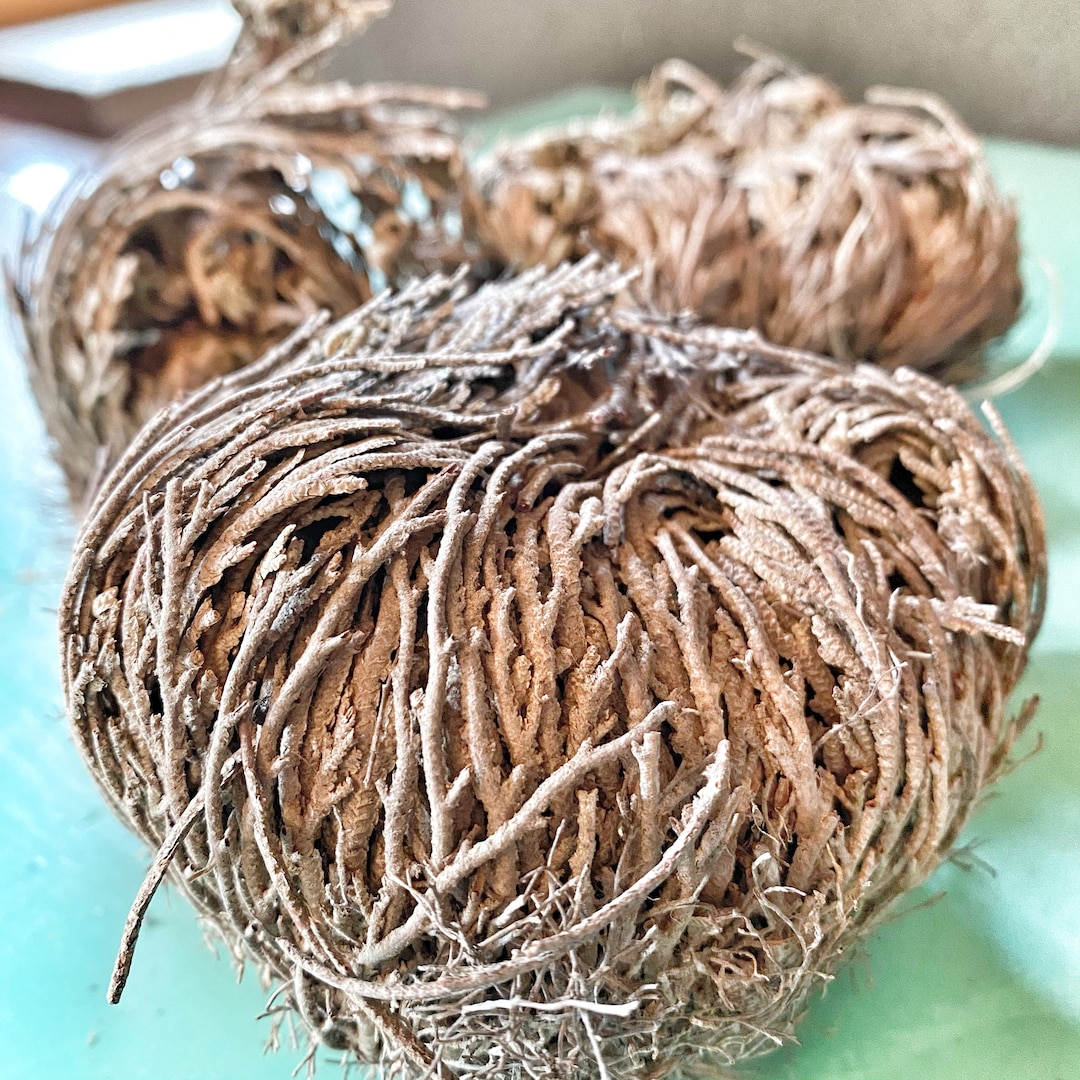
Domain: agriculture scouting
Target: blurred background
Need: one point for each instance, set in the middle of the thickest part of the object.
(75, 71)
(1009, 67)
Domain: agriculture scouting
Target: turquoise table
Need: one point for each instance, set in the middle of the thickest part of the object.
(981, 982)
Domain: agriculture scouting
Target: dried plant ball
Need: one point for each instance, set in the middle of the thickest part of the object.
(869, 231)
(556, 691)
(213, 231)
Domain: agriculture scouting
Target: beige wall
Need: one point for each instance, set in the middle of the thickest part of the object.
(1009, 67)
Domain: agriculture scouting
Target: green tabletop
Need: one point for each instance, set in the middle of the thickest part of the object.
(977, 977)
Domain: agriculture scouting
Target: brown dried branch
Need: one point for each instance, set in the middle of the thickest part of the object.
(869, 231)
(565, 688)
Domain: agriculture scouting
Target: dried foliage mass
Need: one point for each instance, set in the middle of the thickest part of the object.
(540, 688)
(869, 231)
(215, 230)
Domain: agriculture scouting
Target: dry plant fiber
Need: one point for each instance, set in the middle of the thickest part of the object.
(869, 231)
(534, 687)
(214, 230)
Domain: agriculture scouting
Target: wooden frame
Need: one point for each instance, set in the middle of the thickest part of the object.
(13, 12)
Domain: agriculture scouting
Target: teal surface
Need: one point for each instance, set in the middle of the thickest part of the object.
(982, 982)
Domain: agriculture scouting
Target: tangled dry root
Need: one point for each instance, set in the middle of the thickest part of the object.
(868, 231)
(537, 688)
(213, 231)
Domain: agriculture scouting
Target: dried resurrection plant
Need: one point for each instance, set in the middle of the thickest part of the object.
(535, 687)
(214, 230)
(869, 231)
